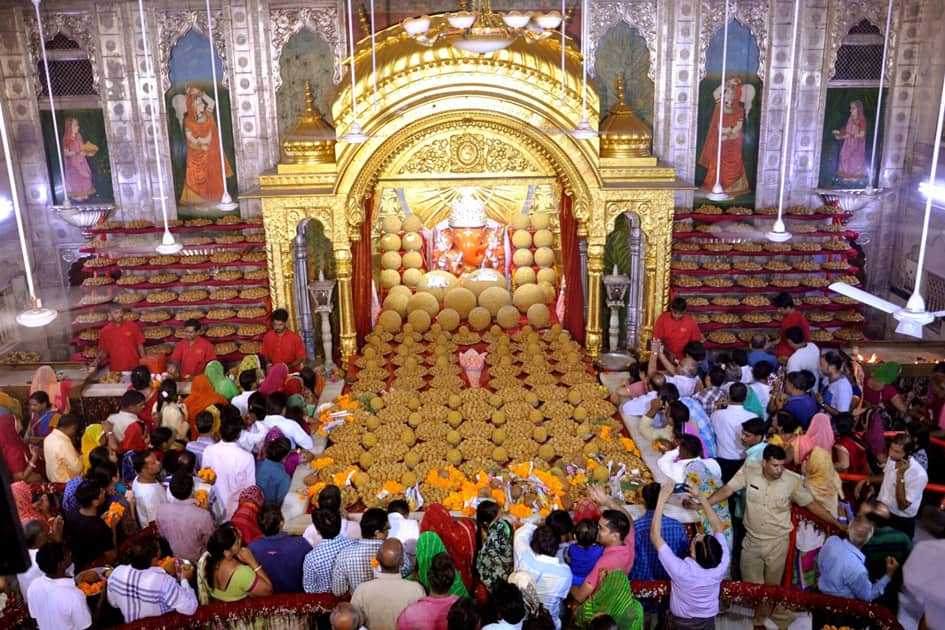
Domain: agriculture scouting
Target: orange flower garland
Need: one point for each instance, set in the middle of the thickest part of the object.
(114, 514)
(207, 475)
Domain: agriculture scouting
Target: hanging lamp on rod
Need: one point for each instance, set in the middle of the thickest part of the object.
(779, 233)
(67, 203)
(355, 134)
(584, 131)
(169, 244)
(226, 201)
(37, 315)
(718, 193)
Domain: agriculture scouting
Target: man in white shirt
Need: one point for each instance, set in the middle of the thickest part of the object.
(536, 553)
(55, 602)
(805, 355)
(684, 375)
(837, 396)
(902, 483)
(760, 373)
(234, 467)
(275, 408)
(148, 490)
(248, 382)
(727, 424)
(132, 403)
(402, 527)
(34, 532)
(673, 463)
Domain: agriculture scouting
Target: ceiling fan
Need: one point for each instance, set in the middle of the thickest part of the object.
(913, 316)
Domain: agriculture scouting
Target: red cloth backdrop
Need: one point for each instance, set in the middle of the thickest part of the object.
(571, 259)
(362, 274)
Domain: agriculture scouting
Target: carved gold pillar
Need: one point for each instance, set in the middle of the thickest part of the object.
(595, 268)
(349, 337)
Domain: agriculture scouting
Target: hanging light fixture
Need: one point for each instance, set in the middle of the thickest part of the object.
(67, 203)
(584, 131)
(482, 30)
(168, 244)
(373, 58)
(355, 134)
(779, 233)
(226, 201)
(563, 28)
(718, 193)
(913, 316)
(37, 315)
(855, 198)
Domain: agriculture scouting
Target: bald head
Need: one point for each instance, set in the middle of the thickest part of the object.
(345, 617)
(391, 556)
(860, 531)
(689, 366)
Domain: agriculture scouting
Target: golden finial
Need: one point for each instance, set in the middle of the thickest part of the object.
(622, 133)
(309, 98)
(311, 140)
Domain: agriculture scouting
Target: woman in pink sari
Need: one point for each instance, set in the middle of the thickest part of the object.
(75, 152)
(852, 166)
(819, 433)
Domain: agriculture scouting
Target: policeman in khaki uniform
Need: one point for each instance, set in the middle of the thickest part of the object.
(769, 492)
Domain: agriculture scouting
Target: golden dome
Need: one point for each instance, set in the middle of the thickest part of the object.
(622, 133)
(312, 139)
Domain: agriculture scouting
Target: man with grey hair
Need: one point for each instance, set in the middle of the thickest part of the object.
(843, 573)
(36, 535)
(381, 600)
(345, 617)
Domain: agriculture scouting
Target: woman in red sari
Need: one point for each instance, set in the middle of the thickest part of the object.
(244, 519)
(732, 171)
(203, 182)
(458, 535)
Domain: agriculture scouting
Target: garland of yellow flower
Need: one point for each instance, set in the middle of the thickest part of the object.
(203, 498)
(207, 475)
(114, 514)
(322, 462)
(345, 477)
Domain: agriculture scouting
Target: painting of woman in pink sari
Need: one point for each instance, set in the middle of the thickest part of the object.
(75, 156)
(85, 175)
(852, 166)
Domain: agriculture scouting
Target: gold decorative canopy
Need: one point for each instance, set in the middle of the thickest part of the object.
(312, 139)
(622, 133)
(445, 119)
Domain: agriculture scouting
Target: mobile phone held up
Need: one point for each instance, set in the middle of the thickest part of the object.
(680, 488)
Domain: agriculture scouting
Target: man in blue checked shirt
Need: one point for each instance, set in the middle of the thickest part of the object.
(646, 564)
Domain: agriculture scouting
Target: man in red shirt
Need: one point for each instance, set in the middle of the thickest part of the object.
(675, 329)
(790, 317)
(192, 354)
(122, 342)
(281, 345)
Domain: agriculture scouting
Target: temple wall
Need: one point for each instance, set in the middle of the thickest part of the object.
(252, 34)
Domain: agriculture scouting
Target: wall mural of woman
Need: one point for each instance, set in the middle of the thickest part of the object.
(85, 174)
(193, 131)
(203, 181)
(847, 142)
(738, 114)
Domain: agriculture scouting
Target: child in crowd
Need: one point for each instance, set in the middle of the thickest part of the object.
(583, 554)
(162, 440)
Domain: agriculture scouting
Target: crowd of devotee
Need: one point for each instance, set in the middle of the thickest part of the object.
(181, 497)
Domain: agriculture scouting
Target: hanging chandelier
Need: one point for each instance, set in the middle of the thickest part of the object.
(481, 30)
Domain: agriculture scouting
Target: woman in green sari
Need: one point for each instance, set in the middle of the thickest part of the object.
(221, 384)
(428, 545)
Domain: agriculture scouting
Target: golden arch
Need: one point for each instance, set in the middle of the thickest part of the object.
(518, 97)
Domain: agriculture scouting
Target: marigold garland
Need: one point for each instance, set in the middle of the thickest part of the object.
(203, 498)
(207, 475)
(322, 462)
(114, 514)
